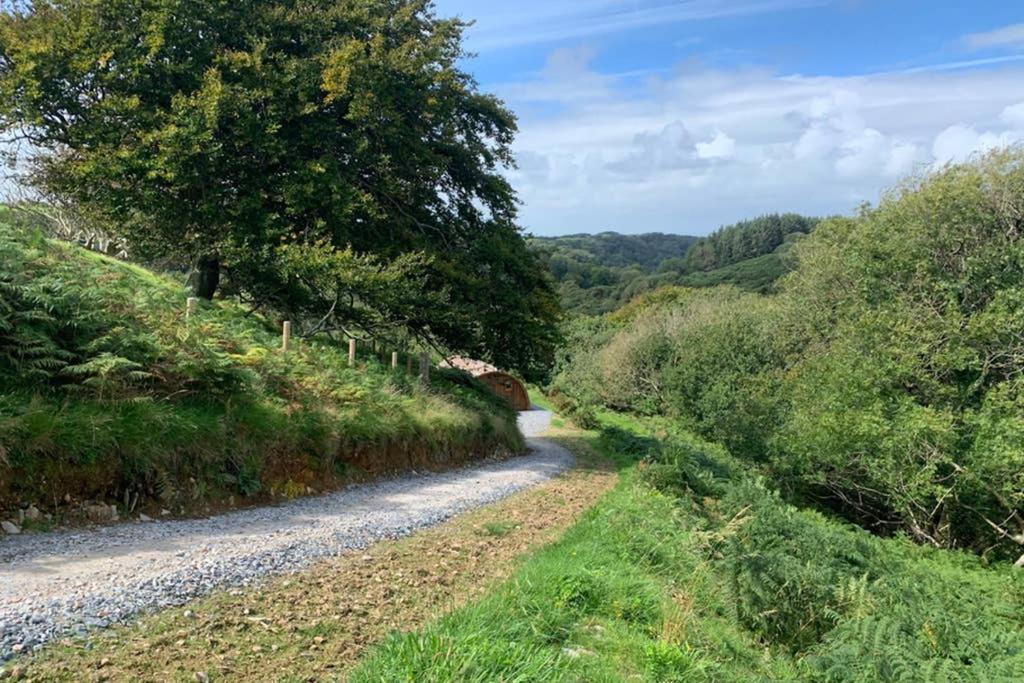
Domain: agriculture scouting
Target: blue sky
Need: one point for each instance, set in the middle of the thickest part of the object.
(682, 115)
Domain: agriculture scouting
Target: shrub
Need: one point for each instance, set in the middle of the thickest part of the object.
(882, 382)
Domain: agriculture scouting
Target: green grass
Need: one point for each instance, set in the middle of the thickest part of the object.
(499, 528)
(108, 388)
(692, 570)
(626, 594)
(538, 398)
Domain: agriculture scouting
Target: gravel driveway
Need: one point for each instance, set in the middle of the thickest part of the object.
(68, 582)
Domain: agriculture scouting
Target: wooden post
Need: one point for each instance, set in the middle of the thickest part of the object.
(394, 360)
(408, 363)
(351, 353)
(425, 368)
(286, 335)
(190, 306)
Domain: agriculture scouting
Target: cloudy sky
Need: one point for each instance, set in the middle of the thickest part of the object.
(682, 115)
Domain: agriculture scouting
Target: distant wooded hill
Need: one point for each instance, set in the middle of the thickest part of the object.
(598, 273)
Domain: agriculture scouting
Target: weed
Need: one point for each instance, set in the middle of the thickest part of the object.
(499, 528)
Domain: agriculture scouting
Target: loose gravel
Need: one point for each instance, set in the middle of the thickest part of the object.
(67, 583)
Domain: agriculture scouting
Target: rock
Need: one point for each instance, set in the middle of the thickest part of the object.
(10, 527)
(201, 677)
(145, 518)
(33, 514)
(96, 513)
(165, 512)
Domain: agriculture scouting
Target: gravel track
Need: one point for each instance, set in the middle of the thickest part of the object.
(66, 583)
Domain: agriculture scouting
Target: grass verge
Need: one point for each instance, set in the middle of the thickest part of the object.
(693, 570)
(626, 594)
(314, 625)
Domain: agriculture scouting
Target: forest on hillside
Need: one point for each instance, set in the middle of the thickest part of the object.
(598, 273)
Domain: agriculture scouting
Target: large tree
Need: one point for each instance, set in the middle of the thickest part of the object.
(219, 131)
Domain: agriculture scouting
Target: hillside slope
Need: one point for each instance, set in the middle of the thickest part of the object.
(110, 393)
(598, 273)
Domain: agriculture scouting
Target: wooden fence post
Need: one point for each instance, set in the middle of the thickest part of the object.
(190, 306)
(394, 360)
(425, 368)
(408, 363)
(286, 335)
(351, 353)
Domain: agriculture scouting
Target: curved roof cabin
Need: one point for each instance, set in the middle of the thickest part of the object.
(501, 383)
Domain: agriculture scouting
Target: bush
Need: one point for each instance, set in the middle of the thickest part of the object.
(882, 382)
(850, 605)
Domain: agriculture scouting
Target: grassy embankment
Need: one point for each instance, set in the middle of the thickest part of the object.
(108, 391)
(691, 569)
(315, 624)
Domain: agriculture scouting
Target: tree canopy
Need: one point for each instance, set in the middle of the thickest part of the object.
(745, 240)
(219, 133)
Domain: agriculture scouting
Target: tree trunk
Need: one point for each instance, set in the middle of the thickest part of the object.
(205, 277)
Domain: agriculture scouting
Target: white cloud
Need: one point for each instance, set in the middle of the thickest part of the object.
(959, 143)
(1013, 116)
(1005, 36)
(698, 147)
(721, 146)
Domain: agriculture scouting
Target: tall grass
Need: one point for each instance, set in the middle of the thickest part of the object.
(108, 388)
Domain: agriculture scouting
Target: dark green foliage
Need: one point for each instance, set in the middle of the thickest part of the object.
(599, 273)
(791, 571)
(746, 240)
(757, 274)
(569, 255)
(237, 135)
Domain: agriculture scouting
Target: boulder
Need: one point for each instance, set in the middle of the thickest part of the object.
(100, 512)
(10, 527)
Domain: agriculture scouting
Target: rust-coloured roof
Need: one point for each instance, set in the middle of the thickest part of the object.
(473, 367)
